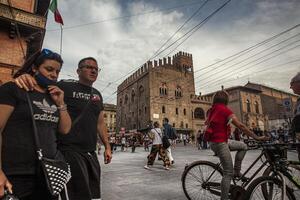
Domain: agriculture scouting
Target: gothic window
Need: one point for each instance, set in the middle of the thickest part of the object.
(181, 124)
(248, 105)
(256, 107)
(184, 111)
(199, 113)
(126, 99)
(186, 125)
(141, 90)
(121, 101)
(178, 92)
(105, 115)
(174, 125)
(140, 111)
(163, 89)
(163, 109)
(145, 109)
(132, 96)
(176, 111)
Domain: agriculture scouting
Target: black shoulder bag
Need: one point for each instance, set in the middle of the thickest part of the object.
(57, 173)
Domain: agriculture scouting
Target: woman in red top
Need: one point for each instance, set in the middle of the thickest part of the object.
(219, 119)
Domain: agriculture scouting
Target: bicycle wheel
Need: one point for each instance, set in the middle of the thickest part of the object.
(202, 180)
(294, 169)
(268, 188)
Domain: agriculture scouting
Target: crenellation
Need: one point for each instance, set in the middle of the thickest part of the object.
(155, 63)
(164, 61)
(159, 62)
(169, 60)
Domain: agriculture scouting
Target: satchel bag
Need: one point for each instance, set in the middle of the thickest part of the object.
(208, 131)
(56, 172)
(165, 141)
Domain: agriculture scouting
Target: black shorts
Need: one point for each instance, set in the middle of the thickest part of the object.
(85, 181)
(30, 187)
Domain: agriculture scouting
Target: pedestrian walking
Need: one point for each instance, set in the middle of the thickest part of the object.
(20, 172)
(85, 105)
(218, 132)
(170, 133)
(155, 135)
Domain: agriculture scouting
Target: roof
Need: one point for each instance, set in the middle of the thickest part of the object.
(243, 88)
(109, 107)
(259, 86)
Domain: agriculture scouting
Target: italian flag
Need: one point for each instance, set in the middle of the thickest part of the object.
(57, 16)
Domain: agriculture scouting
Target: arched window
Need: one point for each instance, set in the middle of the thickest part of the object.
(178, 92)
(163, 109)
(126, 99)
(121, 101)
(256, 107)
(132, 96)
(199, 113)
(176, 111)
(248, 105)
(186, 125)
(163, 90)
(141, 90)
(184, 111)
(105, 115)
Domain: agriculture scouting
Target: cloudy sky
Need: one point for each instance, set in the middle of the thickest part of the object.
(124, 34)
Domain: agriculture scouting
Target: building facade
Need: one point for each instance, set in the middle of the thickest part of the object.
(277, 104)
(110, 115)
(159, 89)
(22, 29)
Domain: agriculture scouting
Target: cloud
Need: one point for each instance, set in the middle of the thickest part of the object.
(123, 45)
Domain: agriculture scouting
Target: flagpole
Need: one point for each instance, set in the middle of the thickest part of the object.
(61, 37)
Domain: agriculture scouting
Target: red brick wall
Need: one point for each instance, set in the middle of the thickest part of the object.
(10, 54)
(27, 5)
(10, 50)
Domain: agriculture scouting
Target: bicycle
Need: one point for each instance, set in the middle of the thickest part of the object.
(202, 179)
(281, 177)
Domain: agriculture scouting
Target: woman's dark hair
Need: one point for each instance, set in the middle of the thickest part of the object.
(36, 60)
(156, 125)
(221, 97)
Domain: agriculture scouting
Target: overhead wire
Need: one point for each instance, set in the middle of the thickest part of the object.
(195, 27)
(233, 71)
(155, 54)
(127, 16)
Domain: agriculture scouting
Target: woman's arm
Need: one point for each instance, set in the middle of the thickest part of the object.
(57, 96)
(243, 128)
(6, 111)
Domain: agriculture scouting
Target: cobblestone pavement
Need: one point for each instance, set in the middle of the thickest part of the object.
(126, 179)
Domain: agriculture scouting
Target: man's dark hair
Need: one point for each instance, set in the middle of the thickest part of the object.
(84, 59)
(166, 120)
(156, 125)
(221, 97)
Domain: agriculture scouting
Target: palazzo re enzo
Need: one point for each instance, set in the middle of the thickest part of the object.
(166, 88)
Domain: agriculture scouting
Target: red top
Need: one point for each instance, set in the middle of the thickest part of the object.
(218, 120)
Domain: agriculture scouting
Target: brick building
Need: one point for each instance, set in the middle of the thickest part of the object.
(273, 104)
(110, 111)
(26, 18)
(159, 89)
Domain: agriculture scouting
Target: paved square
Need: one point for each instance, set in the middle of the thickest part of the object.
(126, 179)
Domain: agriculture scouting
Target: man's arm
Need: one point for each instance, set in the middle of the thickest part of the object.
(102, 131)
